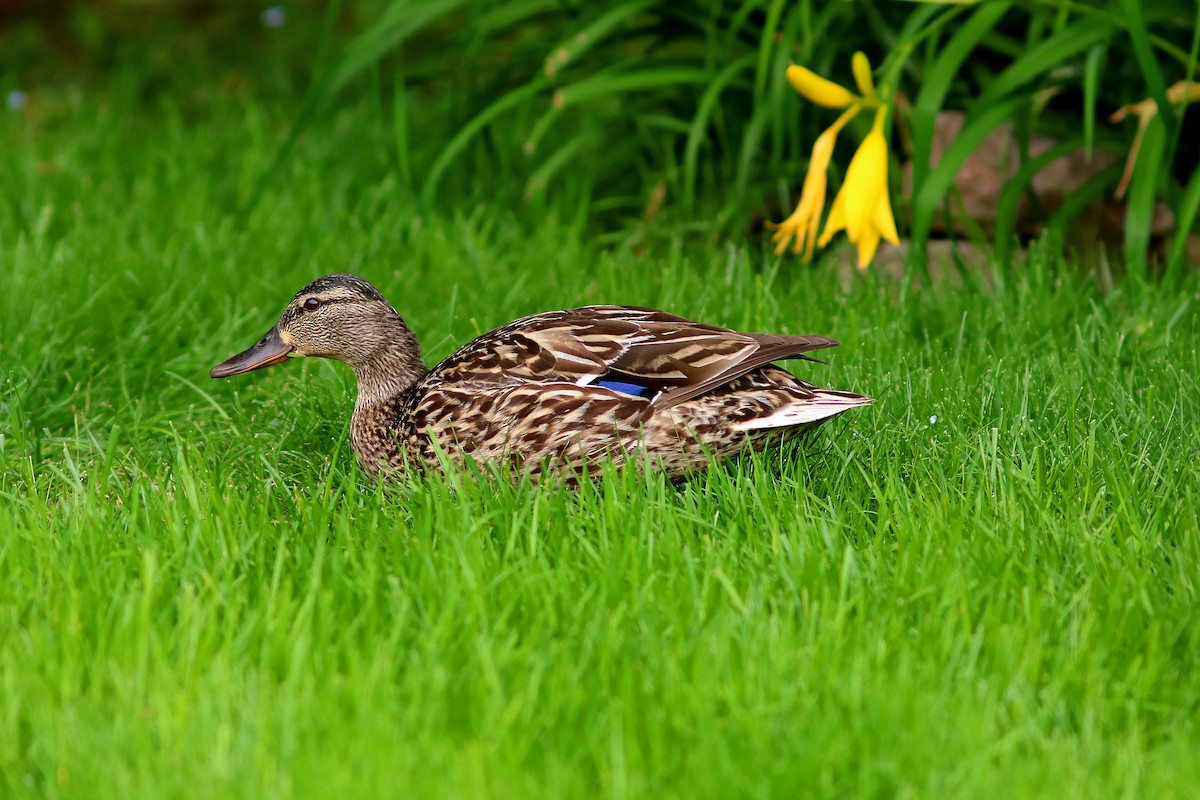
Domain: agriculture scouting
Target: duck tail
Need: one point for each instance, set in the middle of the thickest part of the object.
(820, 406)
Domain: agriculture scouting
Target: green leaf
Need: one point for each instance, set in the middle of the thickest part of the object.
(1014, 190)
(557, 161)
(401, 21)
(938, 78)
(752, 136)
(765, 45)
(459, 141)
(1074, 203)
(1044, 57)
(608, 84)
(584, 39)
(699, 127)
(928, 196)
(1185, 222)
(1143, 194)
(1144, 53)
(1091, 82)
(400, 131)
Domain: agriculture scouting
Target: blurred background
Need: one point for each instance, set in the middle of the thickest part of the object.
(635, 121)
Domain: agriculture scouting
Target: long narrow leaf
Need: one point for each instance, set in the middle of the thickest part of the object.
(752, 137)
(1014, 190)
(503, 18)
(1147, 63)
(1074, 203)
(608, 84)
(1192, 63)
(929, 195)
(1185, 223)
(402, 20)
(1143, 194)
(765, 45)
(400, 131)
(557, 161)
(941, 74)
(455, 146)
(585, 38)
(1091, 82)
(1044, 57)
(699, 126)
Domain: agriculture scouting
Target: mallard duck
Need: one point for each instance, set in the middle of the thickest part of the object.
(562, 390)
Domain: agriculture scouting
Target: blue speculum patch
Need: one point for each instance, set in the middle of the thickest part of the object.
(625, 387)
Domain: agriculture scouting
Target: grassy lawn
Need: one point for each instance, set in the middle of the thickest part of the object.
(984, 585)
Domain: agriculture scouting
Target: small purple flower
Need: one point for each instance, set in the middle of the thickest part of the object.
(274, 17)
(17, 100)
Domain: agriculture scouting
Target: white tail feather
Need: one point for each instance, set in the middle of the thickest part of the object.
(822, 406)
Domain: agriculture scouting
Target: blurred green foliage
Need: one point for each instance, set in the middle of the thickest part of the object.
(190, 49)
(624, 113)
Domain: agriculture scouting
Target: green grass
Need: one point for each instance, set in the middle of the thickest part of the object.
(200, 596)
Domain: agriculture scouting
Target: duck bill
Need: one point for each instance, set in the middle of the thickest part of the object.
(268, 351)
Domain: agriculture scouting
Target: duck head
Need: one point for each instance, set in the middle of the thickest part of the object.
(339, 316)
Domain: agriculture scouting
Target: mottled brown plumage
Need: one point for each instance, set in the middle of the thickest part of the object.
(560, 390)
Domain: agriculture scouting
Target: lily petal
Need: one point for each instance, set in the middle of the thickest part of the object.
(865, 179)
(867, 245)
(818, 90)
(800, 229)
(837, 218)
(863, 207)
(862, 75)
(803, 224)
(884, 221)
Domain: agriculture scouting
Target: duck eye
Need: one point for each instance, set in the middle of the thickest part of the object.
(312, 304)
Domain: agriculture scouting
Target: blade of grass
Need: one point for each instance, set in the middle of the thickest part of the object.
(332, 12)
(752, 136)
(1095, 187)
(737, 21)
(502, 19)
(1176, 133)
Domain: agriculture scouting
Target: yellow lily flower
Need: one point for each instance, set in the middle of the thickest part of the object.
(862, 208)
(1179, 94)
(818, 90)
(804, 222)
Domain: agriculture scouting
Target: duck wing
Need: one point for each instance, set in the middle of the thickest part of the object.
(672, 358)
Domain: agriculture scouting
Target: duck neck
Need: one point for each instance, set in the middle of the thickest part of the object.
(386, 375)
